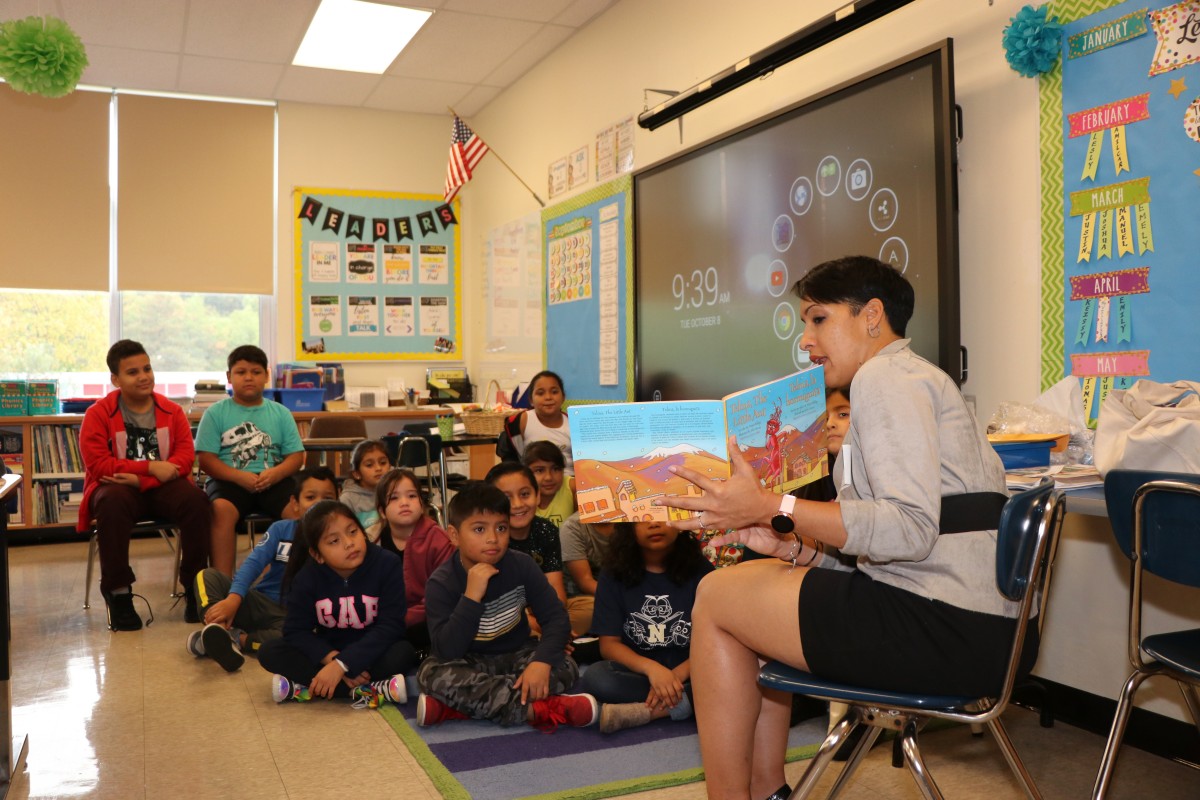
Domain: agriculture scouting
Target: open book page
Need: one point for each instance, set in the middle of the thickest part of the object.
(623, 451)
(780, 428)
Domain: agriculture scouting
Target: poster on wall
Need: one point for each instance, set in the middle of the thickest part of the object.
(587, 245)
(512, 255)
(377, 276)
(1130, 171)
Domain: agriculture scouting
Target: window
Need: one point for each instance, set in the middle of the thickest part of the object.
(61, 335)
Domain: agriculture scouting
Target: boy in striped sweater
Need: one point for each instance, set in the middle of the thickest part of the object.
(484, 664)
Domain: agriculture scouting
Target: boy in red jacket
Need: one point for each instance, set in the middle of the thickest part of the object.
(137, 455)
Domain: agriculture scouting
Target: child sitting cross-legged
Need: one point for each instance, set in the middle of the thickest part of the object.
(484, 664)
(643, 616)
(408, 531)
(344, 632)
(241, 614)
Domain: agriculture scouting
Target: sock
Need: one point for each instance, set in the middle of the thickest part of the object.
(682, 710)
(123, 590)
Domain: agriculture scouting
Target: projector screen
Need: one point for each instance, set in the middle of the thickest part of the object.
(724, 231)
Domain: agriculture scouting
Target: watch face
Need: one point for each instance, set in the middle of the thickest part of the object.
(782, 523)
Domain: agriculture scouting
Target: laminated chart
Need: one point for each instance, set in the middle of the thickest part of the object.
(1118, 211)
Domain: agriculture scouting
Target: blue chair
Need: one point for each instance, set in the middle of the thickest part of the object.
(1155, 519)
(1029, 523)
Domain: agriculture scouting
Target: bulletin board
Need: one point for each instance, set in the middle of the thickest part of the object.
(1120, 122)
(377, 276)
(587, 252)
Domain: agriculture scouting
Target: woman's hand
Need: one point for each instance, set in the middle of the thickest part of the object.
(739, 502)
(760, 540)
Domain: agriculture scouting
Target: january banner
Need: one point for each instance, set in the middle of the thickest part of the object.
(1130, 135)
(377, 276)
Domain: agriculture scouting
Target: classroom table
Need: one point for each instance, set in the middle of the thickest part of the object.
(13, 749)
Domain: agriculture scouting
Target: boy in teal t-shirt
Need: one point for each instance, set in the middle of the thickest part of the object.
(248, 447)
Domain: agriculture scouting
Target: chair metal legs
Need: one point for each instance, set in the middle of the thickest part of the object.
(176, 547)
(1109, 760)
(821, 761)
(1014, 760)
(93, 547)
(916, 765)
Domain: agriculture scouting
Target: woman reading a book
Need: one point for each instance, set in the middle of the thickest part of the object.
(927, 603)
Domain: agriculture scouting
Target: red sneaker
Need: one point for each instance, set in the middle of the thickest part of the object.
(431, 711)
(576, 710)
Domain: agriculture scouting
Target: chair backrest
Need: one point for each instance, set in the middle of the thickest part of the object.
(1024, 521)
(1166, 506)
(1029, 524)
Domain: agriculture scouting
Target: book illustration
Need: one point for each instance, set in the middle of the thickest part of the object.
(624, 451)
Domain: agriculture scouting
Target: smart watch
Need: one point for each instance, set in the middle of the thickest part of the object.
(783, 521)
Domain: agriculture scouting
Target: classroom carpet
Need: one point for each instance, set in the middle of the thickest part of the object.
(481, 761)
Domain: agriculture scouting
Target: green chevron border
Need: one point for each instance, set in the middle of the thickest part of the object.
(1050, 115)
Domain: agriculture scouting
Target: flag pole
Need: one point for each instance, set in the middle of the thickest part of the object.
(505, 163)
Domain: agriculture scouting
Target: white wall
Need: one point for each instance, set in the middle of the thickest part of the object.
(598, 76)
(334, 147)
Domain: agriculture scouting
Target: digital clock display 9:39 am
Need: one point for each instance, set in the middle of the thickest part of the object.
(697, 289)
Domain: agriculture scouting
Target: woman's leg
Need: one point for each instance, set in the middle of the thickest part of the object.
(742, 614)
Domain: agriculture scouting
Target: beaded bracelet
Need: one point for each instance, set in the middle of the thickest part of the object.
(795, 551)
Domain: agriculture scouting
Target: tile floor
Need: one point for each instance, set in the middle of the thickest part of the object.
(132, 715)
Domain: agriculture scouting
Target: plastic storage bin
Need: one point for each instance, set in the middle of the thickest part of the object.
(1015, 455)
(301, 399)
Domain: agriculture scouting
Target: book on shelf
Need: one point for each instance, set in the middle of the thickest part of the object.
(208, 393)
(16, 464)
(623, 451)
(1066, 476)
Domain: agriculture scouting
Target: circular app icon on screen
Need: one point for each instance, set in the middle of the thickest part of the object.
(782, 232)
(777, 278)
(784, 321)
(884, 210)
(799, 357)
(801, 196)
(895, 252)
(858, 179)
(829, 175)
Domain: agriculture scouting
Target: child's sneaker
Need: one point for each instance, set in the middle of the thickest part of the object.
(618, 716)
(220, 647)
(283, 690)
(195, 645)
(191, 606)
(431, 711)
(370, 695)
(576, 710)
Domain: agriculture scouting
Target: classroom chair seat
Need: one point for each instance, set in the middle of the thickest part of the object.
(1155, 520)
(335, 427)
(169, 533)
(1029, 523)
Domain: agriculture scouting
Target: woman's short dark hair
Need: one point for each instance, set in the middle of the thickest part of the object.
(855, 281)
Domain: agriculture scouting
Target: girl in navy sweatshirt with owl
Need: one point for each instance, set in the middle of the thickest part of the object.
(643, 616)
(344, 632)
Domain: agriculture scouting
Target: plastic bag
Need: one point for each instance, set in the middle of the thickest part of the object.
(1057, 410)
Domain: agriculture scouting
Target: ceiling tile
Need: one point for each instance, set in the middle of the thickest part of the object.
(132, 24)
(476, 100)
(229, 78)
(461, 48)
(581, 12)
(238, 29)
(327, 86)
(416, 95)
(522, 60)
(535, 10)
(131, 69)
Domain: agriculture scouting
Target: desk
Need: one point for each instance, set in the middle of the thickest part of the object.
(1088, 501)
(13, 749)
(337, 446)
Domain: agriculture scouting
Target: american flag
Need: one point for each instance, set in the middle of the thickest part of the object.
(466, 149)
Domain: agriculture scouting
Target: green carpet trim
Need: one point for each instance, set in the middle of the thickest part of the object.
(443, 780)
(449, 786)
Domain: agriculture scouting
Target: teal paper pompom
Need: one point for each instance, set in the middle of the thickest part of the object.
(41, 56)
(1032, 42)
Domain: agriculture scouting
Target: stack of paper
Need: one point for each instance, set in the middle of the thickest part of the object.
(1066, 476)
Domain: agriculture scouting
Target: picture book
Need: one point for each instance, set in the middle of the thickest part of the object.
(623, 451)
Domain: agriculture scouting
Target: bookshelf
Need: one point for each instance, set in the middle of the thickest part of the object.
(45, 450)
